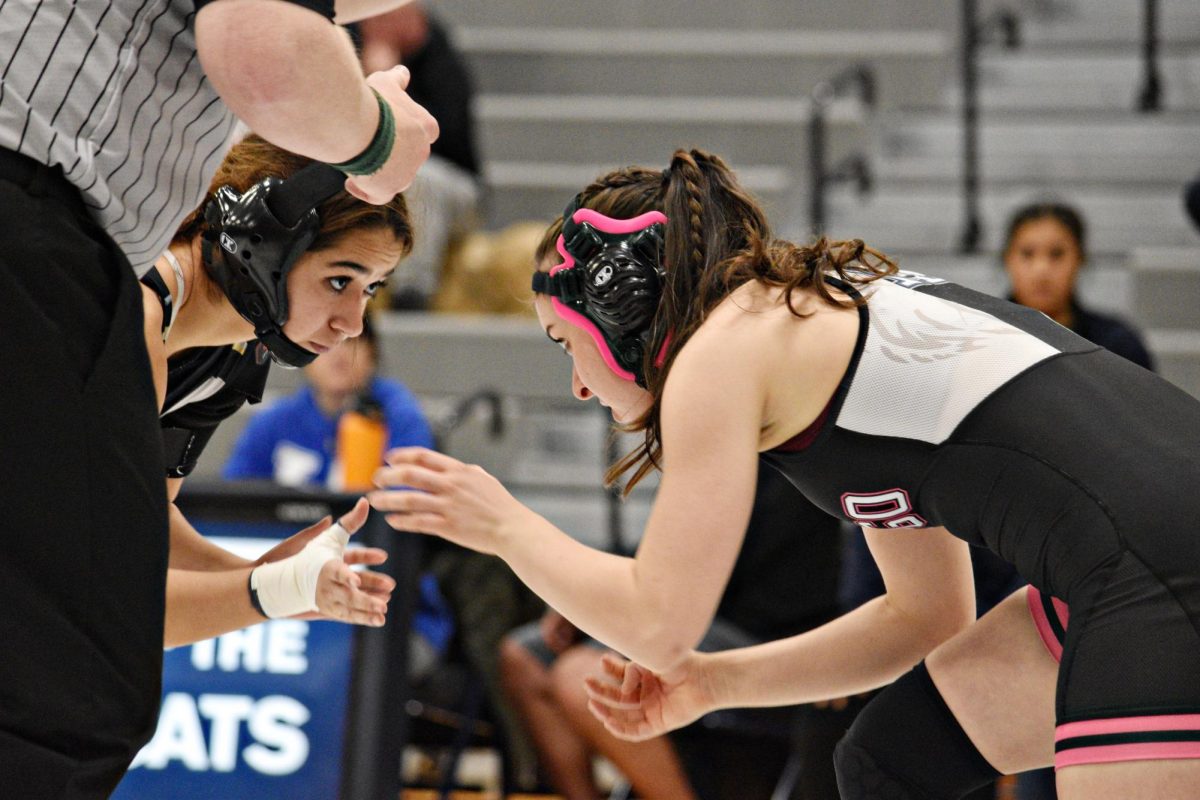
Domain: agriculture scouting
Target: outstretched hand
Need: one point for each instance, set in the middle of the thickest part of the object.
(340, 593)
(459, 502)
(346, 595)
(637, 704)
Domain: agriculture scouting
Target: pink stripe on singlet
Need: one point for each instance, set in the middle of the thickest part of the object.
(1149, 722)
(1033, 599)
(1135, 751)
(1129, 751)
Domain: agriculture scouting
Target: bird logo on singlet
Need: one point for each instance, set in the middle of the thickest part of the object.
(925, 338)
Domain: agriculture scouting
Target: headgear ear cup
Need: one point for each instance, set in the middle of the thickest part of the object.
(253, 240)
(614, 282)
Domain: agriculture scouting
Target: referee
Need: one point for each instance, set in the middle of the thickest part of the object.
(113, 117)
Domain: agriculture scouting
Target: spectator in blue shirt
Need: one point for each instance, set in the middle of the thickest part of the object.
(293, 441)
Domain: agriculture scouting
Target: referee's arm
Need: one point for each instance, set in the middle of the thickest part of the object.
(293, 77)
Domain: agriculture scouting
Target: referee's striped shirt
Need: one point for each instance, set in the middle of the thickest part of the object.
(112, 90)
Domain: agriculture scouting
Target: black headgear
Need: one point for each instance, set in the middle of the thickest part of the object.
(609, 283)
(252, 242)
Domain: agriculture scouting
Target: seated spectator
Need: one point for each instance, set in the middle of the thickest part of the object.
(784, 582)
(1044, 250)
(293, 440)
(444, 196)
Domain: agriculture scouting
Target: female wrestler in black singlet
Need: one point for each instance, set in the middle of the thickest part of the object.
(235, 290)
(929, 414)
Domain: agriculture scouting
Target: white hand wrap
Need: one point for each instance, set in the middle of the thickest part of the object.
(289, 587)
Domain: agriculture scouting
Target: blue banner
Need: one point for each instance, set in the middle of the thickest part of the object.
(260, 712)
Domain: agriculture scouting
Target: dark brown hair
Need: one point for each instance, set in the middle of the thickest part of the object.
(717, 238)
(1061, 213)
(254, 158)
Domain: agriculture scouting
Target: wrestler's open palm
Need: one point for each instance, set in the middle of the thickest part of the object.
(344, 594)
(428, 492)
(637, 704)
(360, 598)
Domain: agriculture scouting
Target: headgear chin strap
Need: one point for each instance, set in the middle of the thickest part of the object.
(252, 242)
(609, 282)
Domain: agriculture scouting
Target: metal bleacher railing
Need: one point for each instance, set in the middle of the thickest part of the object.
(1150, 96)
(976, 31)
(854, 167)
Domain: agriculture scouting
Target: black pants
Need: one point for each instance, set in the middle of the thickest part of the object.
(83, 545)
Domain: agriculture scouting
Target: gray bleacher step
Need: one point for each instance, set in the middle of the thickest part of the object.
(931, 220)
(454, 355)
(910, 66)
(1074, 22)
(1166, 286)
(1066, 171)
(1104, 134)
(710, 14)
(1177, 357)
(520, 190)
(1058, 81)
(626, 130)
(584, 515)
(1151, 258)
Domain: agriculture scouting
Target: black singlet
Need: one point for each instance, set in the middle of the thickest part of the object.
(969, 412)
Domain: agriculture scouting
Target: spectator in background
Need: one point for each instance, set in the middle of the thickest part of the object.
(1044, 250)
(293, 440)
(784, 582)
(444, 197)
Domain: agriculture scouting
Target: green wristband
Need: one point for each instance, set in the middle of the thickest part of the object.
(371, 160)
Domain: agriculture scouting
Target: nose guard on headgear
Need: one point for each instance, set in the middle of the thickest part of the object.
(609, 283)
(251, 244)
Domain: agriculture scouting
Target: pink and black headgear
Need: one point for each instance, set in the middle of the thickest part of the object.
(609, 282)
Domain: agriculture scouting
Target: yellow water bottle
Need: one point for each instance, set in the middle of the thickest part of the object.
(362, 437)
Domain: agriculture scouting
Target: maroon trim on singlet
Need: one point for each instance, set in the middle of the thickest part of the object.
(804, 439)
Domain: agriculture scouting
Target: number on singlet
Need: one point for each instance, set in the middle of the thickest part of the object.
(888, 509)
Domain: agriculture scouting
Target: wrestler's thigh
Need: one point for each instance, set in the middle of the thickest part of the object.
(1131, 780)
(999, 680)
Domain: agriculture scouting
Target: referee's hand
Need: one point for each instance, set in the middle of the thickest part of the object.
(416, 130)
